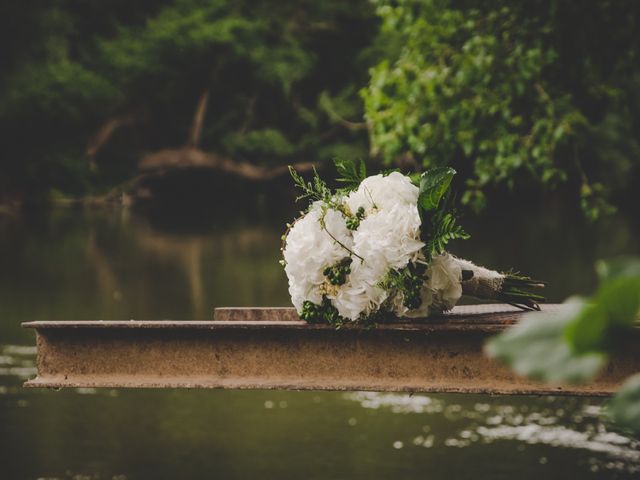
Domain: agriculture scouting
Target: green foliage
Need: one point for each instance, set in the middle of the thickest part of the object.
(571, 345)
(518, 290)
(269, 68)
(340, 108)
(325, 313)
(434, 184)
(509, 91)
(313, 190)
(408, 281)
(614, 305)
(443, 229)
(439, 220)
(353, 222)
(624, 408)
(536, 348)
(349, 173)
(503, 91)
(268, 143)
(64, 91)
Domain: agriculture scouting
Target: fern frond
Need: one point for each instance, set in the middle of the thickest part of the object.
(444, 228)
(350, 173)
(316, 189)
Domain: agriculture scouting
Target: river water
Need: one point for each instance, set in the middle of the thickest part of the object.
(112, 264)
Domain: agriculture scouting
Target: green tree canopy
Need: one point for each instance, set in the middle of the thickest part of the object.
(548, 88)
(505, 92)
(280, 79)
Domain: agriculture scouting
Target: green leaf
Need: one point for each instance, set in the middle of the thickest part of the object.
(615, 304)
(537, 347)
(624, 408)
(587, 330)
(350, 173)
(618, 267)
(620, 300)
(444, 228)
(314, 190)
(433, 185)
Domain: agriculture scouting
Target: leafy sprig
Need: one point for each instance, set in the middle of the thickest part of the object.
(313, 190)
(439, 219)
(350, 173)
(408, 281)
(444, 228)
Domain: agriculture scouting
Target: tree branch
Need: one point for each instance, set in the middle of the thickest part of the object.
(104, 133)
(182, 158)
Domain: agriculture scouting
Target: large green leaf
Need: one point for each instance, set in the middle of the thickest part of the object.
(617, 268)
(350, 173)
(537, 347)
(587, 330)
(620, 300)
(624, 408)
(615, 304)
(568, 345)
(433, 186)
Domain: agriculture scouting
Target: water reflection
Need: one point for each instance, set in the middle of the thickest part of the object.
(551, 422)
(17, 361)
(106, 265)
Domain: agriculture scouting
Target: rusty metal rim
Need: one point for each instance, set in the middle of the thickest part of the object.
(260, 325)
(488, 317)
(260, 384)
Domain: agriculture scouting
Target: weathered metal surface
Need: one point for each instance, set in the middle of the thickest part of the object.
(272, 348)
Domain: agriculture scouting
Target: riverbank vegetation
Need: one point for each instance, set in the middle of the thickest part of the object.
(517, 96)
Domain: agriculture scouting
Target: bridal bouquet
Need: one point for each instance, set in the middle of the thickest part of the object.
(376, 248)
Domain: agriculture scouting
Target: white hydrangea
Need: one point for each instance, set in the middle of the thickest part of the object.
(444, 277)
(391, 235)
(441, 289)
(426, 296)
(310, 249)
(380, 192)
(388, 237)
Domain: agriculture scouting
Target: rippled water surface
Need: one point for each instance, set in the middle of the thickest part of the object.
(110, 264)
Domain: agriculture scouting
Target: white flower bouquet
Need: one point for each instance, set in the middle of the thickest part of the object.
(375, 249)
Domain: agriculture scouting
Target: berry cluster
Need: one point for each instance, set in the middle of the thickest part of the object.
(325, 313)
(353, 222)
(337, 274)
(412, 296)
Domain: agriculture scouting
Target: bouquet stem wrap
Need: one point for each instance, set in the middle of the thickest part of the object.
(484, 283)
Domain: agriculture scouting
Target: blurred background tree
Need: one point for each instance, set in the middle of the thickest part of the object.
(509, 92)
(88, 88)
(530, 95)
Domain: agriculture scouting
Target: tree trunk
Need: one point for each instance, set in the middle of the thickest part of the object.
(104, 133)
(198, 120)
